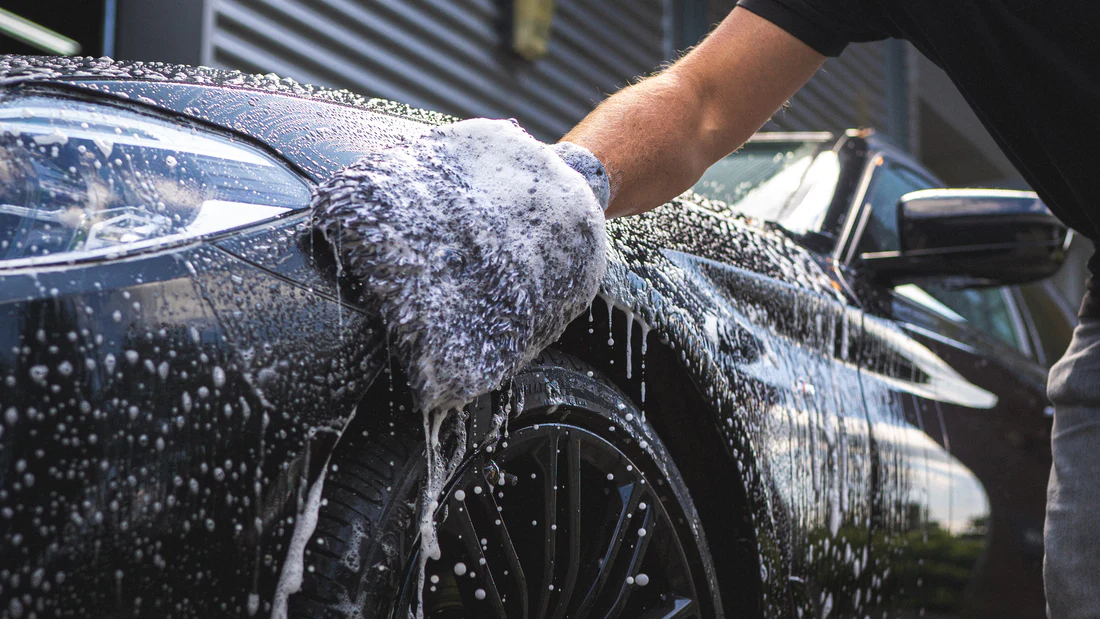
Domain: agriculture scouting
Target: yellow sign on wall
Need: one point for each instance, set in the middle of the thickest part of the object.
(531, 21)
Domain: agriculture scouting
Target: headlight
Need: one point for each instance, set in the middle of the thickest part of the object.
(80, 177)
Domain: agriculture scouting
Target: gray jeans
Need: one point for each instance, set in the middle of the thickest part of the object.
(1071, 566)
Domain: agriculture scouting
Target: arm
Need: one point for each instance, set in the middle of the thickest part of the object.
(657, 137)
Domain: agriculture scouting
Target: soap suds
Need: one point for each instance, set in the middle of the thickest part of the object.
(446, 446)
(305, 523)
(290, 580)
(477, 246)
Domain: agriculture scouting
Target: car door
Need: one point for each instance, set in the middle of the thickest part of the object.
(800, 384)
(956, 403)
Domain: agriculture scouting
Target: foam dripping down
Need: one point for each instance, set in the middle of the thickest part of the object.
(305, 523)
(477, 246)
(290, 580)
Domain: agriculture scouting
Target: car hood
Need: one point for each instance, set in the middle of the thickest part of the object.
(322, 129)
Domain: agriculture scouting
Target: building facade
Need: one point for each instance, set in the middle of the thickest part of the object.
(456, 56)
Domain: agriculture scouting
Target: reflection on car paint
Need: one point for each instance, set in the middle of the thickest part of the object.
(190, 486)
(818, 455)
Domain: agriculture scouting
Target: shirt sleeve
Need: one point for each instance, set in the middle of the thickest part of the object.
(827, 26)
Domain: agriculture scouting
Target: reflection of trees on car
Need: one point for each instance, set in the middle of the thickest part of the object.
(930, 567)
(942, 563)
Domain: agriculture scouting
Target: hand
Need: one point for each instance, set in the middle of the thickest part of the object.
(582, 160)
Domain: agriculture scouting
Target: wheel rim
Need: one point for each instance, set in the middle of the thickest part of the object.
(539, 530)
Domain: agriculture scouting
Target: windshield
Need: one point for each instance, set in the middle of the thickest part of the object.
(790, 183)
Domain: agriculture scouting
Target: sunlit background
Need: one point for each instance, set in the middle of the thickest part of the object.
(542, 62)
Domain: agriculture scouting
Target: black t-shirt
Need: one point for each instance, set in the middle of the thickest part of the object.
(1030, 69)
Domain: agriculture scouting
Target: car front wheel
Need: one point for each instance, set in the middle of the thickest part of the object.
(576, 510)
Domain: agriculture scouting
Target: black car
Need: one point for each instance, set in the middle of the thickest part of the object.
(814, 388)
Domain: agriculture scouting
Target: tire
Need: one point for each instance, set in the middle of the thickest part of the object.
(624, 539)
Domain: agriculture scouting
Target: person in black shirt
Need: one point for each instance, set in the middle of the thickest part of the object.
(1031, 72)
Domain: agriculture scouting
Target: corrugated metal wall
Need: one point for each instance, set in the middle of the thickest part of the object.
(447, 55)
(849, 91)
(452, 56)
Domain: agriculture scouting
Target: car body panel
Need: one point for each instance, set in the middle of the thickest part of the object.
(820, 391)
(160, 428)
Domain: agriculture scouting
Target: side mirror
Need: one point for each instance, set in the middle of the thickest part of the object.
(974, 237)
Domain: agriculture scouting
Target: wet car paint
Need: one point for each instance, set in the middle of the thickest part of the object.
(156, 451)
(843, 428)
(819, 394)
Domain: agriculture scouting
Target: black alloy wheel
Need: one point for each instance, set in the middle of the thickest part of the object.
(575, 511)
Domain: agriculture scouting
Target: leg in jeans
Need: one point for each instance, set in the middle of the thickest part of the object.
(1071, 566)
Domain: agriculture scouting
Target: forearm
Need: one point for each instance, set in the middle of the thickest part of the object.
(656, 138)
(647, 137)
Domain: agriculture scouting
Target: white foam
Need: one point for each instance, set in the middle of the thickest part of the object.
(478, 244)
(290, 580)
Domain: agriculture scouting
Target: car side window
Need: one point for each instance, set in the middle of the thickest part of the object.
(989, 310)
(892, 181)
(1052, 319)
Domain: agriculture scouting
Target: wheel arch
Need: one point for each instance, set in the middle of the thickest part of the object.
(675, 405)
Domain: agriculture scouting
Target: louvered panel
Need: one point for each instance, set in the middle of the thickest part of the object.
(647, 24)
(849, 91)
(445, 55)
(452, 56)
(604, 41)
